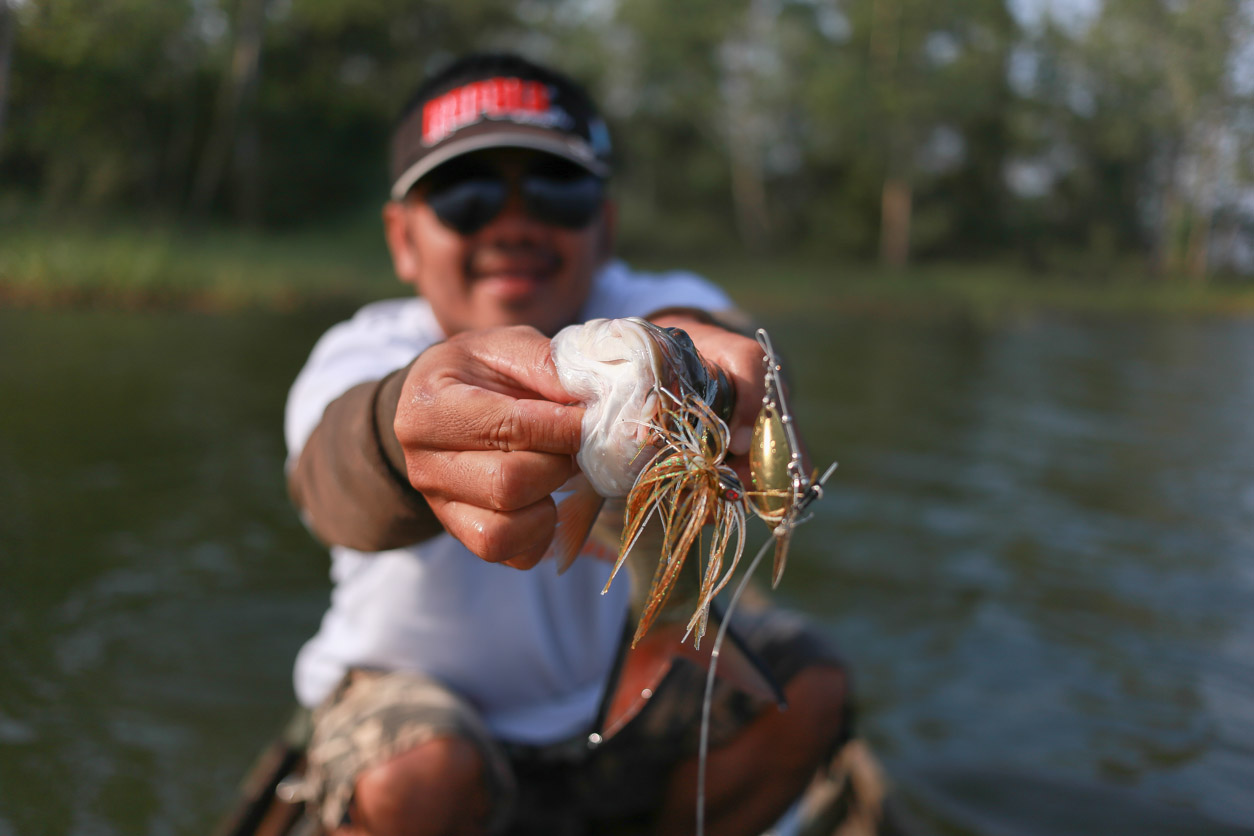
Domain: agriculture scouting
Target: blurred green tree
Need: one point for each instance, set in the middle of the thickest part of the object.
(1144, 124)
(896, 128)
(8, 31)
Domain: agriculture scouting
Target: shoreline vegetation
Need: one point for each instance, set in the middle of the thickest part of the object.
(131, 266)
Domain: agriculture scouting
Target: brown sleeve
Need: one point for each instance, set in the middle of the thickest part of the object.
(349, 481)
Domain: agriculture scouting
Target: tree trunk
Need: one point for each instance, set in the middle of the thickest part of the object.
(238, 86)
(1196, 257)
(749, 195)
(895, 209)
(178, 160)
(885, 35)
(896, 197)
(248, 175)
(8, 34)
(1197, 252)
(1167, 245)
(746, 120)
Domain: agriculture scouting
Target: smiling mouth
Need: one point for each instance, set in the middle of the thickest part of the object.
(516, 271)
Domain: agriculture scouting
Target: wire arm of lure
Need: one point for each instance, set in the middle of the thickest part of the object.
(812, 492)
(775, 394)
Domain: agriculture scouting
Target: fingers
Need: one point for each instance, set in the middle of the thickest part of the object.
(740, 358)
(497, 504)
(493, 481)
(460, 415)
(495, 390)
(516, 361)
(517, 538)
(488, 434)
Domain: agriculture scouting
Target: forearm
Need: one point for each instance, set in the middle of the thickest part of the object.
(349, 481)
(731, 319)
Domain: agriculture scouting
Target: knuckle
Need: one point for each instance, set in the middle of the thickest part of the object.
(519, 538)
(419, 474)
(508, 433)
(416, 476)
(497, 538)
(485, 540)
(505, 488)
(526, 560)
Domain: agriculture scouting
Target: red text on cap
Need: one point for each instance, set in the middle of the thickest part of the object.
(493, 98)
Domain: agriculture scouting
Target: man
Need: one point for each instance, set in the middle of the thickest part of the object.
(426, 436)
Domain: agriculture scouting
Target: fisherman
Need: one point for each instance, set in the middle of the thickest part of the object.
(457, 678)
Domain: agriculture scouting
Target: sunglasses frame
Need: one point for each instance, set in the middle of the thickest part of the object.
(550, 199)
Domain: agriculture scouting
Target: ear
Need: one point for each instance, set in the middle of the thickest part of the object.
(405, 260)
(608, 234)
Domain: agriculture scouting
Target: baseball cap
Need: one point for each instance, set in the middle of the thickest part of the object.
(496, 100)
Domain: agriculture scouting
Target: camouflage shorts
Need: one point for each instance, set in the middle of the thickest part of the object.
(374, 716)
(616, 787)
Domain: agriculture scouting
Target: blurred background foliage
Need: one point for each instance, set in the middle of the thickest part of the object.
(1063, 137)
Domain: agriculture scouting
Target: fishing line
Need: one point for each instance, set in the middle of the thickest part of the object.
(703, 748)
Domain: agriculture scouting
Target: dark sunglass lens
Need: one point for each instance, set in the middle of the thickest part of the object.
(568, 202)
(470, 204)
(556, 168)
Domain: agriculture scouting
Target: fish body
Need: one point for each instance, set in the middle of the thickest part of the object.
(624, 372)
(651, 453)
(648, 399)
(652, 652)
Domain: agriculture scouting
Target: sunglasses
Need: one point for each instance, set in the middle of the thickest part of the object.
(467, 196)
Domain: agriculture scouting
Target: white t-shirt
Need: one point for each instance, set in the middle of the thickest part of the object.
(530, 650)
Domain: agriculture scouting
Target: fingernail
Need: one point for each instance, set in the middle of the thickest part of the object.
(741, 440)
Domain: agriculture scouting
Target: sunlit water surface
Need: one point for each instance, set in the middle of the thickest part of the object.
(1037, 554)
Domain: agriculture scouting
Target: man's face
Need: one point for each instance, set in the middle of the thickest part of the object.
(513, 269)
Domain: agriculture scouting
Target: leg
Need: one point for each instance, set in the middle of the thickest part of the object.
(397, 754)
(437, 788)
(751, 781)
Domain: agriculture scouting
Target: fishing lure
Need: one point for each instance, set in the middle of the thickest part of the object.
(687, 484)
(653, 435)
(782, 489)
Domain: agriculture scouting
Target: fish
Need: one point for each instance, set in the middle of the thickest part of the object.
(651, 476)
(652, 435)
(618, 369)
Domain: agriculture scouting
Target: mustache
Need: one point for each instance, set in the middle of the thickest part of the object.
(521, 256)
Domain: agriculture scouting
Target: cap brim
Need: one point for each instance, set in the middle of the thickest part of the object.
(502, 136)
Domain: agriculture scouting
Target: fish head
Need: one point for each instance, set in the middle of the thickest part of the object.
(615, 369)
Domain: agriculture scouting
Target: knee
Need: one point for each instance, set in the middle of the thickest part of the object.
(819, 688)
(438, 786)
(440, 765)
(817, 710)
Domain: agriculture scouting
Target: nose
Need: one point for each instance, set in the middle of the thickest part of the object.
(513, 223)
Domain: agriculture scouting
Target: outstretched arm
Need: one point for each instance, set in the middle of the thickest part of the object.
(346, 482)
(470, 438)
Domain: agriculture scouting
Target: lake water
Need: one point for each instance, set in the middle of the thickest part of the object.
(1037, 555)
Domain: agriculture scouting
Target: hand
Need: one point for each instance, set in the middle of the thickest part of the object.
(740, 358)
(487, 438)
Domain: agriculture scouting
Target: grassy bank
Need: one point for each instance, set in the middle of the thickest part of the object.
(980, 290)
(129, 265)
